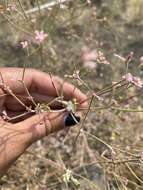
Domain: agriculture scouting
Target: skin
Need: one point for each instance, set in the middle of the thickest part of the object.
(17, 135)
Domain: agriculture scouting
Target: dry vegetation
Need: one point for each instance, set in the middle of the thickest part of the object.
(107, 153)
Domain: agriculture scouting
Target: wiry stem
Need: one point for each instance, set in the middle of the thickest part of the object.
(22, 8)
(83, 121)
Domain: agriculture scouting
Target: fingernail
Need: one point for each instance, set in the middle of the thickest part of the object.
(71, 119)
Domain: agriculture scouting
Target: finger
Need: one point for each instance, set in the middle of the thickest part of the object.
(19, 104)
(24, 101)
(40, 83)
(12, 78)
(43, 124)
(15, 117)
(43, 83)
(50, 101)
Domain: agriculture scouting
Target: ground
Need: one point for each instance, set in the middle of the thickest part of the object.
(106, 153)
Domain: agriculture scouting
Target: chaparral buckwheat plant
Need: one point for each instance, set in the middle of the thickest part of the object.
(97, 45)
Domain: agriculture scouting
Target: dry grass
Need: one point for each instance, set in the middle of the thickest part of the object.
(106, 153)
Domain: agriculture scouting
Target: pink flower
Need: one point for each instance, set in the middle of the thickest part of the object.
(12, 7)
(129, 77)
(101, 58)
(88, 1)
(90, 57)
(133, 79)
(40, 36)
(24, 44)
(137, 82)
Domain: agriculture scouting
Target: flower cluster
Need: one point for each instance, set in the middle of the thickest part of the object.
(12, 7)
(40, 36)
(24, 44)
(88, 1)
(101, 58)
(90, 57)
(133, 79)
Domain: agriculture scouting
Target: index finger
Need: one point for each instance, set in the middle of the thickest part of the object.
(45, 84)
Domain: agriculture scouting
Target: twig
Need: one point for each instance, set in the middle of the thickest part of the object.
(88, 110)
(45, 6)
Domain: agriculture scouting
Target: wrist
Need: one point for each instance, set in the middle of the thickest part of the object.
(15, 141)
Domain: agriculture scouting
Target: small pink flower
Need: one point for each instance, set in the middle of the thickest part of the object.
(24, 44)
(91, 56)
(129, 77)
(40, 36)
(12, 7)
(137, 82)
(88, 1)
(101, 58)
(129, 57)
(133, 79)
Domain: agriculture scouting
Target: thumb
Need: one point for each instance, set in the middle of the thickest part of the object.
(45, 123)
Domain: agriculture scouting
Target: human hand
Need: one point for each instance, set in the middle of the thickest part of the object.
(21, 132)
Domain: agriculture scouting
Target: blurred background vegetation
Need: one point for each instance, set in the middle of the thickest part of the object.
(110, 26)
